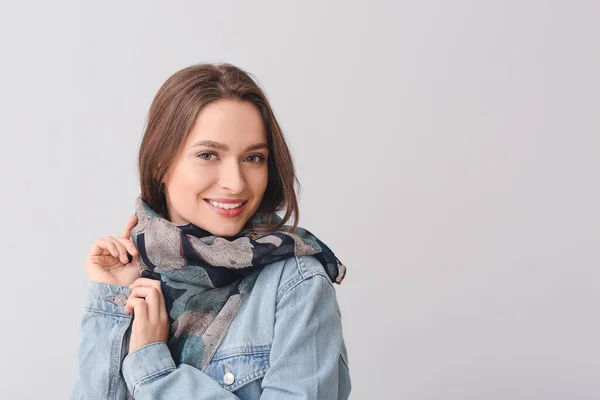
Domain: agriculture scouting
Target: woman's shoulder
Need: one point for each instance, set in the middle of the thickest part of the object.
(275, 281)
(291, 271)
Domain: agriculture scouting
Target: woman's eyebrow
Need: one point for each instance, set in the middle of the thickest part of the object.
(224, 147)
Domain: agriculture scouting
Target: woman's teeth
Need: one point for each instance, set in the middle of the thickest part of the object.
(225, 206)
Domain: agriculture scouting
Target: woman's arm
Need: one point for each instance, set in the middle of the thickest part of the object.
(305, 355)
(151, 373)
(103, 344)
(103, 360)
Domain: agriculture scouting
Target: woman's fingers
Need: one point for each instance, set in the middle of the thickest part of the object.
(139, 307)
(151, 322)
(105, 246)
(128, 245)
(121, 247)
(117, 247)
(131, 222)
(100, 248)
(152, 298)
(156, 285)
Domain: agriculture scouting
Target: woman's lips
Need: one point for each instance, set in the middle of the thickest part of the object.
(226, 201)
(227, 213)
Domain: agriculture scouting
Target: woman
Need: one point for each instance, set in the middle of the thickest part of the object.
(207, 293)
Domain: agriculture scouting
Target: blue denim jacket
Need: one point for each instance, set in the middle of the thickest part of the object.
(285, 342)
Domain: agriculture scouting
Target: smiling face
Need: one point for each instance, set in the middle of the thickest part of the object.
(222, 163)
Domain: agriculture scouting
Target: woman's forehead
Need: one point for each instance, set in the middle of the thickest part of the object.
(231, 123)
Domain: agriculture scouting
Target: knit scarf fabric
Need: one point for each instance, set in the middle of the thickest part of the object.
(205, 278)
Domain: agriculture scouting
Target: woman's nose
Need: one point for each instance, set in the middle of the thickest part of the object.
(231, 177)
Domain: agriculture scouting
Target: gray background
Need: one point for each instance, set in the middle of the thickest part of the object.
(448, 153)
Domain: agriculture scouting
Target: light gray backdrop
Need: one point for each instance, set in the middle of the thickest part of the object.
(448, 152)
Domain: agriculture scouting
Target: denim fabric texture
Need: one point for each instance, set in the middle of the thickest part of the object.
(286, 342)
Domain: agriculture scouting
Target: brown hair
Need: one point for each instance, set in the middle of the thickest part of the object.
(172, 115)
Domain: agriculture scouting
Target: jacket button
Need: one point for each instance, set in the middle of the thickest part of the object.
(228, 378)
(119, 299)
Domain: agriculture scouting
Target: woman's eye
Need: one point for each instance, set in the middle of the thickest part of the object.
(206, 155)
(257, 158)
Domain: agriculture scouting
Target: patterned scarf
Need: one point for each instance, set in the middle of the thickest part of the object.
(205, 278)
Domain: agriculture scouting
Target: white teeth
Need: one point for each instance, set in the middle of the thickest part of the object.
(225, 206)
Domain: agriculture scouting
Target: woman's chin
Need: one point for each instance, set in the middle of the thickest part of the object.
(225, 230)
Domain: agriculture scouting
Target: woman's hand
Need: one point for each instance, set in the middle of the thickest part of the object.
(108, 259)
(151, 321)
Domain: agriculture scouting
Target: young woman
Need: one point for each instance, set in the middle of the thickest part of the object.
(207, 293)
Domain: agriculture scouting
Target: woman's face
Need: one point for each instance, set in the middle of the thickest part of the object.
(223, 163)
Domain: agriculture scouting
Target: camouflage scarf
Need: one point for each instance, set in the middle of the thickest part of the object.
(205, 278)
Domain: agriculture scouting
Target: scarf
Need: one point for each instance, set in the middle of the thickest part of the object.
(205, 278)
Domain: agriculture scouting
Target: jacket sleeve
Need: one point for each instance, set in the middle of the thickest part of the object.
(307, 345)
(151, 373)
(103, 344)
(305, 355)
(106, 371)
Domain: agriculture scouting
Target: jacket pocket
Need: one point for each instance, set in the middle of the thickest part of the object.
(233, 368)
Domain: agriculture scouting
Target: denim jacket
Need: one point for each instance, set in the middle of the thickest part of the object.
(285, 342)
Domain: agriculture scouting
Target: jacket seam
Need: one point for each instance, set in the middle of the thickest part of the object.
(157, 343)
(303, 280)
(290, 282)
(299, 261)
(265, 349)
(124, 316)
(302, 276)
(153, 375)
(214, 350)
(115, 363)
(344, 362)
